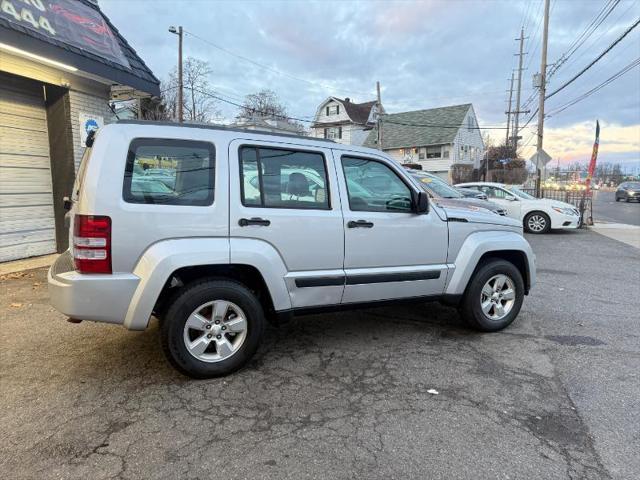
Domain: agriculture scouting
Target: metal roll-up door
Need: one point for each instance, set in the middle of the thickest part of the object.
(27, 226)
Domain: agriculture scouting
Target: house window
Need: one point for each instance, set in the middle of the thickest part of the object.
(445, 152)
(470, 123)
(333, 110)
(333, 133)
(434, 152)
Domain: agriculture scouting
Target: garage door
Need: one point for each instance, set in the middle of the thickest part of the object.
(26, 202)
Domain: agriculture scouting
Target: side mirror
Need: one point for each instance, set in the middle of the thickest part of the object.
(511, 198)
(67, 204)
(422, 203)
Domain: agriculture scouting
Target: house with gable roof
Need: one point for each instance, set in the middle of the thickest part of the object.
(344, 121)
(435, 138)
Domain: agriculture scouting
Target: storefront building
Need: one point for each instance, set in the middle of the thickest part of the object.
(61, 62)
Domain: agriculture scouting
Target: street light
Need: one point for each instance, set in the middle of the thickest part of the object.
(178, 31)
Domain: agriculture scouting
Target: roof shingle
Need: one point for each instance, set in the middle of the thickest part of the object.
(434, 126)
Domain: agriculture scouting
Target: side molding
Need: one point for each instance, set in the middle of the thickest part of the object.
(479, 243)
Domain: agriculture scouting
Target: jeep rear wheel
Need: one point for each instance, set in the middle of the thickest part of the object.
(493, 297)
(212, 328)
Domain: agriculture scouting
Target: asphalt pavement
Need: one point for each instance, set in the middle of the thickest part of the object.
(606, 209)
(396, 392)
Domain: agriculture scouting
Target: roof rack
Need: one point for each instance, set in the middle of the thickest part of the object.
(219, 127)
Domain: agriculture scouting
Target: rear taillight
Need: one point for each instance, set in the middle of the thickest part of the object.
(92, 243)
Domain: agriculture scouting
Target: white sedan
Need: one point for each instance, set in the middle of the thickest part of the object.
(538, 215)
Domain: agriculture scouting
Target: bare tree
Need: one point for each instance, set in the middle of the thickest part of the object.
(263, 104)
(199, 102)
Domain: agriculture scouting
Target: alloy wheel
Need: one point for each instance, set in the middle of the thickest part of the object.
(537, 223)
(215, 331)
(498, 297)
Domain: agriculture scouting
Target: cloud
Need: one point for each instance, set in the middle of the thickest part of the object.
(425, 54)
(575, 142)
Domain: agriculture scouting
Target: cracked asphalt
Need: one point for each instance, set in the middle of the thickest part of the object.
(342, 396)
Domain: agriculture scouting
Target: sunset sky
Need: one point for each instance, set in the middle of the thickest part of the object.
(425, 54)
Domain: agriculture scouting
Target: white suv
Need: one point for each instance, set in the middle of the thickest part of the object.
(214, 231)
(538, 215)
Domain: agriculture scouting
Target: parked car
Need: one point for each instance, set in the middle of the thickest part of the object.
(471, 193)
(628, 191)
(447, 196)
(220, 254)
(538, 215)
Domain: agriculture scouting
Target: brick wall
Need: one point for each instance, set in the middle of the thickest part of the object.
(95, 103)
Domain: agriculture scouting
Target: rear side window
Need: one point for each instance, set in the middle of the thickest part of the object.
(283, 178)
(170, 172)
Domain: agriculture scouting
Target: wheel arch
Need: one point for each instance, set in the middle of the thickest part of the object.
(480, 246)
(198, 258)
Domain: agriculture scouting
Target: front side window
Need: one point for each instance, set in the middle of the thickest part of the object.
(493, 192)
(283, 178)
(374, 187)
(169, 172)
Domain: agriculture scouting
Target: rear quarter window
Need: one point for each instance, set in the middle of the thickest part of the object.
(170, 172)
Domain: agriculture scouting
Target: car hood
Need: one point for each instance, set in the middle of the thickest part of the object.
(466, 202)
(472, 214)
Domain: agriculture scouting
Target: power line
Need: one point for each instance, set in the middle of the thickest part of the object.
(594, 61)
(609, 80)
(586, 33)
(410, 124)
(271, 69)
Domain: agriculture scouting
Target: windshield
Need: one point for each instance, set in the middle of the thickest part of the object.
(519, 193)
(631, 185)
(436, 187)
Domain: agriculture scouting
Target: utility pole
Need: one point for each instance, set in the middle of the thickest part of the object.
(178, 31)
(517, 112)
(508, 112)
(543, 90)
(379, 119)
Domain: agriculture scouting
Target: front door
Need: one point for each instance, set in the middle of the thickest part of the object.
(286, 198)
(390, 252)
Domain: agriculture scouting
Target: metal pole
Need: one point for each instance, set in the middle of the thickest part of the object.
(180, 85)
(509, 111)
(379, 119)
(517, 120)
(543, 89)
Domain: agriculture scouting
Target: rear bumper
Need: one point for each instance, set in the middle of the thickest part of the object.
(100, 298)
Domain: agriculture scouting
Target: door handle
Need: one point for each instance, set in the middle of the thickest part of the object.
(359, 224)
(244, 222)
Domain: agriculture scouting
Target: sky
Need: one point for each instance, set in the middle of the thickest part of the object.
(424, 53)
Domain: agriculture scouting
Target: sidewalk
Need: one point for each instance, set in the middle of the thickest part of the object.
(27, 264)
(629, 234)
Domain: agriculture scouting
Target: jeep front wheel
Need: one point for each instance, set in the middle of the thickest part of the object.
(212, 328)
(493, 297)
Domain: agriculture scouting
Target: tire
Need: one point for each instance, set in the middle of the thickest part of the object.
(617, 199)
(471, 306)
(537, 222)
(226, 347)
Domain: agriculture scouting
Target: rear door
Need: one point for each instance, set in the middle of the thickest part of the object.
(390, 252)
(286, 196)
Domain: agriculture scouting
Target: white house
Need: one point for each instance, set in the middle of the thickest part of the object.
(344, 121)
(436, 138)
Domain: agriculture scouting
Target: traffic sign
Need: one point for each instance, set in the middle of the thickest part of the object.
(540, 159)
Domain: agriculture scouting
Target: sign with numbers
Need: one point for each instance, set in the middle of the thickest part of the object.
(67, 21)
